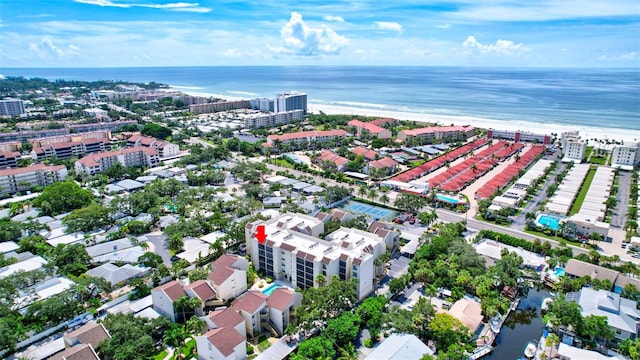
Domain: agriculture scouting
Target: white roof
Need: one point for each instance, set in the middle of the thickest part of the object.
(114, 274)
(129, 255)
(570, 352)
(212, 237)
(193, 249)
(148, 313)
(33, 263)
(400, 347)
(493, 250)
(8, 246)
(618, 310)
(275, 179)
(45, 350)
(109, 247)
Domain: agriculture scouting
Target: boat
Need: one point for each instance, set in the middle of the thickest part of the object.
(530, 350)
(545, 303)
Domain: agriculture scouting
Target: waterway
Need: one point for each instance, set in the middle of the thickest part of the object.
(523, 325)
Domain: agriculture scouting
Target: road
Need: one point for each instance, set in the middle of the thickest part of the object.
(159, 241)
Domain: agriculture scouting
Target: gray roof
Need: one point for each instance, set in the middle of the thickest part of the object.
(288, 181)
(620, 312)
(44, 219)
(4, 213)
(129, 255)
(31, 214)
(441, 146)
(301, 185)
(146, 178)
(112, 189)
(129, 184)
(114, 274)
(579, 268)
(108, 247)
(429, 150)
(313, 189)
(400, 347)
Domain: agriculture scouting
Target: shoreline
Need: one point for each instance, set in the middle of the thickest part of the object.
(586, 132)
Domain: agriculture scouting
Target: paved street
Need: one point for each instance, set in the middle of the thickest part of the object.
(619, 216)
(159, 242)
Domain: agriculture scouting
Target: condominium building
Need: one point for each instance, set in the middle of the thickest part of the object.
(436, 133)
(297, 138)
(258, 120)
(21, 179)
(573, 147)
(301, 258)
(129, 157)
(164, 148)
(11, 107)
(291, 101)
(96, 113)
(111, 126)
(370, 128)
(263, 104)
(626, 156)
(71, 149)
(219, 106)
(22, 136)
(8, 159)
(518, 136)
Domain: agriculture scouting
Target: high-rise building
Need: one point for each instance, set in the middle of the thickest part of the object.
(573, 147)
(291, 101)
(11, 107)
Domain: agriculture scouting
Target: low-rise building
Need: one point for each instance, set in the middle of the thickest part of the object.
(228, 276)
(22, 179)
(311, 138)
(223, 343)
(400, 347)
(518, 136)
(626, 156)
(164, 297)
(436, 133)
(573, 147)
(8, 159)
(370, 128)
(130, 157)
(331, 159)
(164, 148)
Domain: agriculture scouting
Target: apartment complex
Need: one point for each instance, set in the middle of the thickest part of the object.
(8, 159)
(626, 156)
(130, 157)
(258, 120)
(11, 107)
(436, 133)
(72, 145)
(22, 179)
(370, 128)
(297, 138)
(96, 113)
(164, 148)
(573, 147)
(292, 252)
(219, 106)
(111, 126)
(519, 136)
(22, 136)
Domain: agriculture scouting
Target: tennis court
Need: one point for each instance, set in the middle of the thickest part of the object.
(370, 211)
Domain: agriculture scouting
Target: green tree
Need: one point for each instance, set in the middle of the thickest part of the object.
(155, 130)
(35, 244)
(87, 219)
(10, 230)
(343, 329)
(62, 197)
(596, 327)
(132, 338)
(150, 260)
(70, 259)
(315, 348)
(447, 330)
(195, 326)
(562, 312)
(370, 312)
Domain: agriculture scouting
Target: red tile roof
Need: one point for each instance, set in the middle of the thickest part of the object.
(372, 128)
(224, 339)
(91, 333)
(225, 260)
(280, 299)
(94, 159)
(78, 352)
(438, 129)
(30, 168)
(220, 274)
(250, 301)
(369, 154)
(173, 289)
(306, 134)
(225, 317)
(202, 289)
(382, 121)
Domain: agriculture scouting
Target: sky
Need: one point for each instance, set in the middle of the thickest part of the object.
(133, 33)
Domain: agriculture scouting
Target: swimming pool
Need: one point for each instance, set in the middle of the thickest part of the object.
(271, 288)
(448, 199)
(370, 211)
(549, 221)
(559, 271)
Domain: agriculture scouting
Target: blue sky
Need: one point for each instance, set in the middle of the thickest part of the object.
(117, 33)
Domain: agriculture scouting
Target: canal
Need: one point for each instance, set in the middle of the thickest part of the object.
(523, 325)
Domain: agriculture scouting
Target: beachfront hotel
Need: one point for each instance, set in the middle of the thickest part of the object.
(293, 251)
(573, 147)
(439, 133)
(626, 156)
(519, 136)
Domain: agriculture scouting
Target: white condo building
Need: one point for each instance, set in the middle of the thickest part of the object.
(291, 101)
(11, 107)
(573, 147)
(292, 251)
(626, 156)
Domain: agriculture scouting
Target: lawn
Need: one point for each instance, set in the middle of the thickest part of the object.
(161, 355)
(264, 345)
(599, 160)
(284, 163)
(417, 162)
(583, 192)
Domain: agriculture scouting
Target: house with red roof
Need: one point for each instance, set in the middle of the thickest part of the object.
(368, 154)
(223, 343)
(370, 128)
(251, 306)
(385, 163)
(228, 277)
(164, 148)
(130, 157)
(225, 317)
(202, 290)
(164, 296)
(280, 304)
(332, 158)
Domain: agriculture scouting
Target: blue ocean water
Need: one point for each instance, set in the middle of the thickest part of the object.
(603, 98)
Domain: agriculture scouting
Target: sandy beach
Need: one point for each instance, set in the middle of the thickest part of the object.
(627, 136)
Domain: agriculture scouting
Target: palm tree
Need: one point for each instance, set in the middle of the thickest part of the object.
(384, 198)
(321, 279)
(195, 326)
(362, 191)
(373, 194)
(175, 336)
(184, 303)
(552, 340)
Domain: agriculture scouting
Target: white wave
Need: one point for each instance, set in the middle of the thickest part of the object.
(1, 77)
(186, 87)
(243, 93)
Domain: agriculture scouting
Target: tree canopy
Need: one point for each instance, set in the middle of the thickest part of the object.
(62, 197)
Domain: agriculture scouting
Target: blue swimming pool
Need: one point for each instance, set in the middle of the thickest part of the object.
(449, 200)
(549, 221)
(370, 211)
(559, 271)
(269, 289)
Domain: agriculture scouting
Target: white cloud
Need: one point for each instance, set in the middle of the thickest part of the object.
(178, 6)
(501, 47)
(622, 57)
(385, 25)
(231, 52)
(414, 51)
(333, 18)
(47, 49)
(301, 39)
(444, 26)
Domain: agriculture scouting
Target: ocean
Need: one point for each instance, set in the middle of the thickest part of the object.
(600, 98)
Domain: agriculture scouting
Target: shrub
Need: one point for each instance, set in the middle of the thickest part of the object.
(368, 343)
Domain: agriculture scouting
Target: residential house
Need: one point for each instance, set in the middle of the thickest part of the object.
(368, 154)
(79, 352)
(228, 276)
(622, 314)
(91, 333)
(370, 128)
(400, 347)
(280, 303)
(164, 297)
(331, 159)
(202, 290)
(164, 148)
(225, 317)
(386, 165)
(221, 344)
(251, 306)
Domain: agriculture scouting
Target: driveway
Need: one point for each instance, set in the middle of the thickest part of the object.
(619, 216)
(159, 241)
